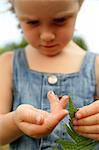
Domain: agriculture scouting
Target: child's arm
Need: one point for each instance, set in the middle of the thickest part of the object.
(8, 130)
(26, 119)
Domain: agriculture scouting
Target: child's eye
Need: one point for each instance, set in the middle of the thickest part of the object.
(60, 21)
(33, 22)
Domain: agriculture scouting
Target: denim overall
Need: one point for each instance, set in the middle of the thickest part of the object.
(31, 87)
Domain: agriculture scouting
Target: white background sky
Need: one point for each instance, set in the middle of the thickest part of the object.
(87, 25)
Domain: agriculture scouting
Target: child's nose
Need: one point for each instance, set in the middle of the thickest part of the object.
(47, 36)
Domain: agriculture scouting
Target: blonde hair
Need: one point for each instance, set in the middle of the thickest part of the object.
(80, 2)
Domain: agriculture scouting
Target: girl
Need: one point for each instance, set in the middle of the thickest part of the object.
(50, 62)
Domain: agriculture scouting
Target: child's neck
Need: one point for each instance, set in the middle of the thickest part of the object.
(61, 63)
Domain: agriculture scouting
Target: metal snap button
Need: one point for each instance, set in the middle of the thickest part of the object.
(52, 79)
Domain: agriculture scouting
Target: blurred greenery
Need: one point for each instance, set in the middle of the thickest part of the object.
(13, 46)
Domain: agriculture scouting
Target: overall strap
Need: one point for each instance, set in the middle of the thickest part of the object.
(88, 67)
(19, 66)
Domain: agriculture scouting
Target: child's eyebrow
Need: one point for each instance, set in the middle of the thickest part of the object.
(25, 18)
(64, 14)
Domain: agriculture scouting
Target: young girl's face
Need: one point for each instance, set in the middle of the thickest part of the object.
(48, 25)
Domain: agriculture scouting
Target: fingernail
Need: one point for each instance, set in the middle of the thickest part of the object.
(51, 92)
(74, 122)
(75, 127)
(65, 97)
(78, 115)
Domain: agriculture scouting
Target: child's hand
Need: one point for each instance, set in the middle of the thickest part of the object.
(37, 123)
(86, 121)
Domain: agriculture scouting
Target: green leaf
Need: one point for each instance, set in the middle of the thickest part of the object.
(70, 132)
(67, 145)
(72, 109)
(77, 142)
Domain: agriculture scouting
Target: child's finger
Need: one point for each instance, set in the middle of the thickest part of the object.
(88, 110)
(55, 118)
(94, 129)
(56, 103)
(91, 120)
(52, 97)
(26, 113)
(64, 101)
(54, 100)
(91, 136)
(33, 117)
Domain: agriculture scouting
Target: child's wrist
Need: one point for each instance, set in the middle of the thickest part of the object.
(15, 123)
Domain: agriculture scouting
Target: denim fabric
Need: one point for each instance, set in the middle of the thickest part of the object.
(31, 87)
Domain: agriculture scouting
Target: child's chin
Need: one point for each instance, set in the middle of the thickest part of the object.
(51, 54)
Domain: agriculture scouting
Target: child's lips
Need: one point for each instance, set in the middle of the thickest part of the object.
(48, 46)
